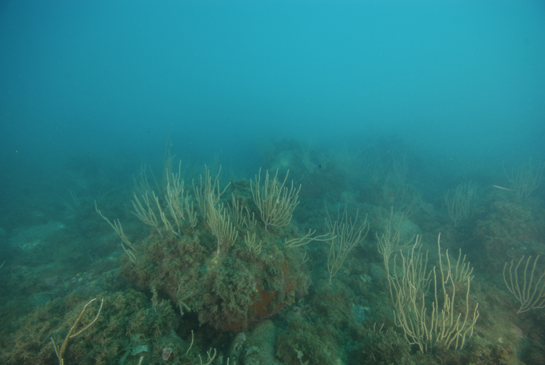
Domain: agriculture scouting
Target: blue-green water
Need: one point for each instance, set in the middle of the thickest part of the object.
(377, 111)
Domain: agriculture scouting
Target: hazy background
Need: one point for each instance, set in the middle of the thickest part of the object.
(458, 80)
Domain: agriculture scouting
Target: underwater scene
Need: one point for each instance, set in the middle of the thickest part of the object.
(272, 182)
